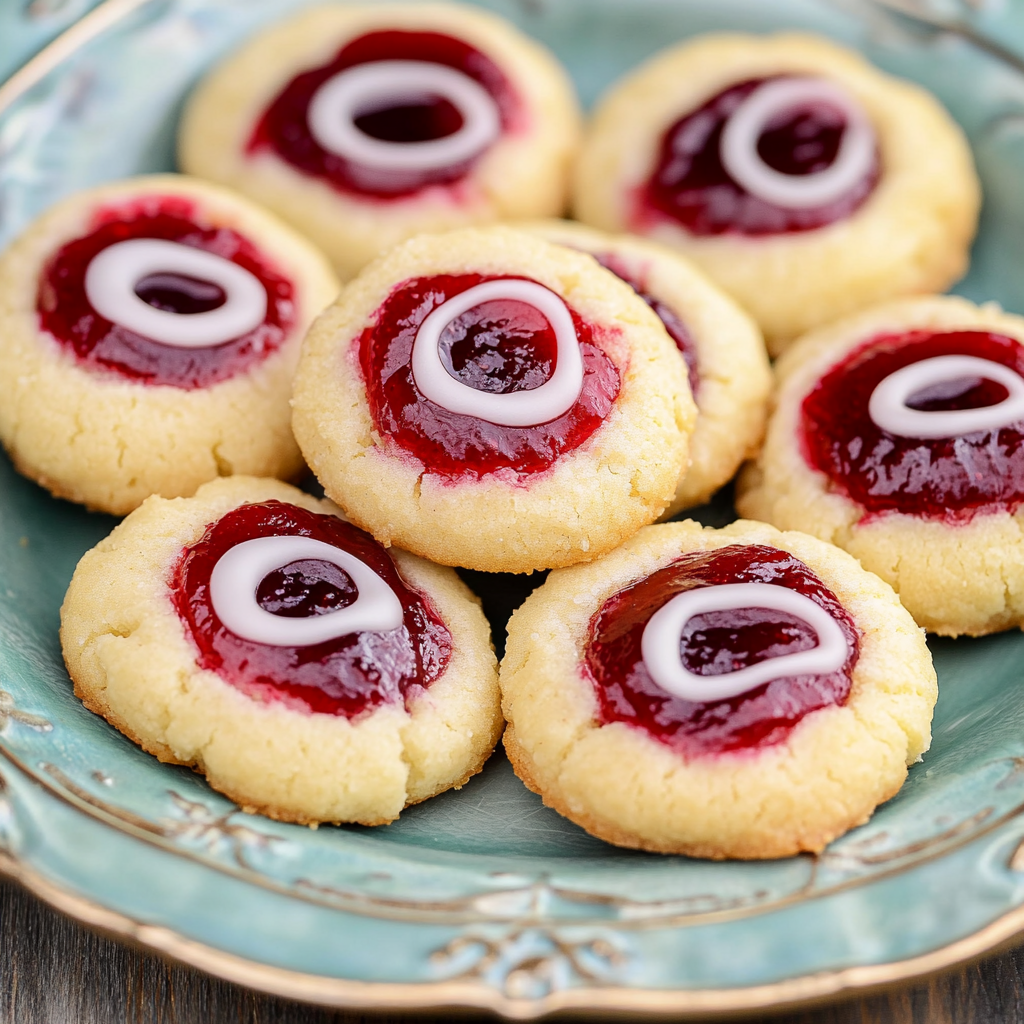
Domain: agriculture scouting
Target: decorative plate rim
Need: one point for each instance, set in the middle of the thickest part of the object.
(350, 993)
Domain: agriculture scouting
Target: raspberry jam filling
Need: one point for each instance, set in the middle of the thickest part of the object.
(345, 675)
(394, 112)
(713, 644)
(692, 185)
(670, 319)
(66, 311)
(499, 347)
(424, 120)
(937, 477)
(179, 293)
(306, 587)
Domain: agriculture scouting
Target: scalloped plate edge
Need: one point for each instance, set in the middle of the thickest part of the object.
(341, 992)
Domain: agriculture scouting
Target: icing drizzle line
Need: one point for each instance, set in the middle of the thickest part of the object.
(660, 643)
(240, 570)
(889, 406)
(366, 88)
(526, 408)
(767, 103)
(113, 275)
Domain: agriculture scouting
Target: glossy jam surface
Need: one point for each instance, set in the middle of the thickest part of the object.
(180, 293)
(431, 118)
(96, 343)
(944, 478)
(674, 325)
(305, 588)
(690, 185)
(346, 676)
(713, 644)
(283, 127)
(498, 347)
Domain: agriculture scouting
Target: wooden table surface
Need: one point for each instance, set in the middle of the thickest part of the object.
(53, 971)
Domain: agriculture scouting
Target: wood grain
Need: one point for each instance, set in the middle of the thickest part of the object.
(53, 971)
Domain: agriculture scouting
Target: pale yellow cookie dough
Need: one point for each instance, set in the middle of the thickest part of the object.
(732, 365)
(953, 578)
(590, 500)
(523, 174)
(628, 788)
(132, 661)
(911, 235)
(109, 442)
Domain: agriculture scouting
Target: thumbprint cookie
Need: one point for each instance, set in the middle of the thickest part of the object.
(724, 693)
(252, 633)
(150, 332)
(804, 181)
(363, 125)
(898, 434)
(722, 348)
(486, 399)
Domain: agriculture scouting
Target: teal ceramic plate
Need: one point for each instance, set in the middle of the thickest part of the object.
(484, 897)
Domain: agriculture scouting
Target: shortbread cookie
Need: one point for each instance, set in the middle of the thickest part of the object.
(722, 347)
(716, 693)
(898, 434)
(804, 181)
(490, 400)
(150, 331)
(252, 633)
(363, 125)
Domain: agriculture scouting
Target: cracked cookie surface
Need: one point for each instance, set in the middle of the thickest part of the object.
(958, 568)
(102, 413)
(721, 345)
(460, 487)
(138, 662)
(909, 234)
(785, 791)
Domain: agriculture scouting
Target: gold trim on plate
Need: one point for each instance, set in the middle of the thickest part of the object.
(50, 56)
(480, 907)
(342, 992)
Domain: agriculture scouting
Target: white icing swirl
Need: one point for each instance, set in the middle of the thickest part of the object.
(749, 121)
(552, 399)
(660, 643)
(114, 272)
(888, 407)
(240, 570)
(378, 85)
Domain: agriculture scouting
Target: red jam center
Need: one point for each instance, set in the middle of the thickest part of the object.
(714, 644)
(498, 347)
(691, 186)
(305, 588)
(944, 478)
(345, 676)
(179, 293)
(431, 118)
(671, 320)
(283, 127)
(97, 343)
